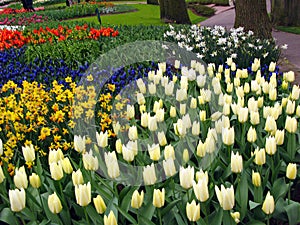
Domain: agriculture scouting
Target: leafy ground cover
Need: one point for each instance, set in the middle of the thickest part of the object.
(294, 30)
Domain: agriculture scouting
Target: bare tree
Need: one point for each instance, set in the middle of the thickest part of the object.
(174, 11)
(252, 15)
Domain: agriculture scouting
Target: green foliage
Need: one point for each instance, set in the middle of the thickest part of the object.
(203, 10)
(294, 30)
(217, 2)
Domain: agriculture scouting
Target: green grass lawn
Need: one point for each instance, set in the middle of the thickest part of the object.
(146, 15)
(294, 30)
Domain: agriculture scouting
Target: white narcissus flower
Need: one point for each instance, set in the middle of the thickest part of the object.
(102, 139)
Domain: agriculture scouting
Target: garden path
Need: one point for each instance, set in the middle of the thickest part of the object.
(290, 58)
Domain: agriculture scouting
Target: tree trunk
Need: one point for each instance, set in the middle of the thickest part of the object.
(252, 15)
(174, 11)
(286, 12)
(153, 2)
(28, 5)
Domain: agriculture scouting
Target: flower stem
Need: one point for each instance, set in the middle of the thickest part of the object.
(86, 215)
(289, 193)
(159, 216)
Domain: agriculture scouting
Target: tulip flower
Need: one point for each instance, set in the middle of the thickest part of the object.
(141, 85)
(55, 156)
(127, 153)
(271, 146)
(2, 177)
(202, 115)
(79, 143)
(90, 162)
(295, 93)
(291, 171)
(201, 150)
(158, 198)
(112, 165)
(133, 133)
(254, 118)
(154, 152)
(270, 125)
(201, 189)
(272, 66)
(185, 156)
(236, 163)
(66, 165)
(182, 109)
(137, 199)
(228, 136)
(260, 156)
(256, 179)
(77, 177)
(291, 124)
(54, 203)
(152, 88)
(20, 178)
(269, 204)
(102, 139)
(118, 146)
(56, 171)
(149, 175)
(225, 197)
(181, 95)
(169, 152)
(279, 137)
(35, 180)
(243, 115)
(169, 88)
(236, 216)
(172, 111)
(28, 153)
(193, 104)
(290, 107)
(83, 194)
(193, 211)
(110, 219)
(162, 138)
(144, 119)
(130, 111)
(17, 199)
(169, 167)
(251, 135)
(196, 128)
(140, 99)
(99, 204)
(180, 128)
(1, 147)
(186, 177)
(152, 123)
(272, 94)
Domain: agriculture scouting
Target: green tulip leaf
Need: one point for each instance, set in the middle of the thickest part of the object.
(280, 188)
(293, 213)
(216, 217)
(8, 217)
(93, 215)
(169, 207)
(127, 215)
(242, 194)
(253, 205)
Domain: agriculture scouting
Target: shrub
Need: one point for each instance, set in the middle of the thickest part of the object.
(203, 10)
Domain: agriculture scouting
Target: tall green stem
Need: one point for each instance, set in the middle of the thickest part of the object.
(86, 215)
(159, 216)
(289, 193)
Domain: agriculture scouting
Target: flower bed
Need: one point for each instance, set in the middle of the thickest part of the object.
(24, 21)
(6, 11)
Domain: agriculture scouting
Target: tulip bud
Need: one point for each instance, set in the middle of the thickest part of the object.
(169, 88)
(35, 180)
(90, 162)
(118, 146)
(133, 133)
(236, 216)
(236, 163)
(177, 64)
(169, 152)
(83, 194)
(201, 189)
(158, 198)
(110, 219)
(112, 165)
(279, 137)
(180, 128)
(2, 177)
(116, 127)
(182, 109)
(185, 156)
(172, 111)
(181, 95)
(251, 135)
(193, 211)
(260, 156)
(127, 153)
(272, 94)
(295, 93)
(137, 199)
(152, 123)
(291, 124)
(201, 150)
(17, 199)
(270, 125)
(243, 115)
(54, 203)
(228, 136)
(233, 66)
(154, 152)
(254, 118)
(1, 147)
(202, 115)
(256, 179)
(298, 111)
(169, 167)
(196, 128)
(229, 87)
(149, 175)
(130, 111)
(186, 177)
(66, 165)
(79, 143)
(291, 171)
(290, 108)
(141, 85)
(289, 76)
(162, 138)
(56, 171)
(102, 139)
(193, 104)
(28, 153)
(140, 99)
(152, 88)
(55, 156)
(225, 197)
(269, 204)
(271, 145)
(99, 204)
(144, 119)
(77, 177)
(272, 66)
(20, 178)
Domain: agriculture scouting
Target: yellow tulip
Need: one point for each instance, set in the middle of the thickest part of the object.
(271, 146)
(83, 194)
(154, 152)
(228, 136)
(17, 199)
(186, 177)
(291, 124)
(269, 204)
(2, 177)
(225, 197)
(112, 165)
(158, 198)
(291, 171)
(162, 138)
(28, 153)
(236, 163)
(56, 171)
(169, 167)
(137, 199)
(54, 203)
(260, 156)
(169, 152)
(35, 180)
(110, 219)
(193, 211)
(99, 204)
(66, 165)
(235, 216)
(279, 137)
(256, 179)
(90, 162)
(102, 139)
(251, 135)
(20, 178)
(149, 175)
(172, 111)
(77, 177)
